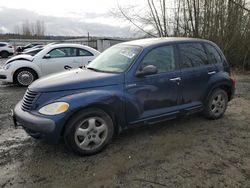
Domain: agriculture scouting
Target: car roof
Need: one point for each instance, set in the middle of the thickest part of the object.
(67, 45)
(157, 41)
(74, 46)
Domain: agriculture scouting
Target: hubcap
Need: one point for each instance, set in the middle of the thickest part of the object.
(218, 105)
(25, 78)
(91, 133)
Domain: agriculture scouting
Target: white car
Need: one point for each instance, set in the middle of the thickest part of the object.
(33, 48)
(6, 50)
(24, 69)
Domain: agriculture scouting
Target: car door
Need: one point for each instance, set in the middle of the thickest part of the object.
(153, 97)
(60, 59)
(196, 70)
(85, 57)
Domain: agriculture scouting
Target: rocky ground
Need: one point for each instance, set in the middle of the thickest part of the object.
(188, 152)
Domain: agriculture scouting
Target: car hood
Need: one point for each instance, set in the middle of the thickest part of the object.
(20, 57)
(75, 79)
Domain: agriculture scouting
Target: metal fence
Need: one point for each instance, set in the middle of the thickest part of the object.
(99, 44)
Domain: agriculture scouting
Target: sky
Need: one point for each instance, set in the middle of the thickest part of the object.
(72, 18)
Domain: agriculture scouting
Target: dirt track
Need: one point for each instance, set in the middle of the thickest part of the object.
(190, 152)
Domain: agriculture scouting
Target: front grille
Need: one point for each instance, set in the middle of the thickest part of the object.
(28, 100)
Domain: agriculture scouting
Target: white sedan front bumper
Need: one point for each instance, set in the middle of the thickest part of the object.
(6, 75)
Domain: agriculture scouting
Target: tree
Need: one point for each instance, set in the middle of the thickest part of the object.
(153, 19)
(31, 29)
(226, 22)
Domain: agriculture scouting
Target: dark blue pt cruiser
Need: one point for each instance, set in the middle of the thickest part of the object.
(142, 81)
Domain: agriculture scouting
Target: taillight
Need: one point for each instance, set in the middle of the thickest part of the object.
(233, 78)
(10, 46)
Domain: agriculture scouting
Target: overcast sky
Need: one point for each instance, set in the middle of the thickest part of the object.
(73, 17)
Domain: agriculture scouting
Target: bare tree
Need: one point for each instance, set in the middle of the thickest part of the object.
(227, 22)
(33, 29)
(39, 28)
(26, 28)
(17, 29)
(153, 19)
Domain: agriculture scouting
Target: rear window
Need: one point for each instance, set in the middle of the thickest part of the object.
(192, 55)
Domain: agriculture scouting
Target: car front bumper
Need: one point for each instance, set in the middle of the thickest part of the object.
(34, 124)
(6, 75)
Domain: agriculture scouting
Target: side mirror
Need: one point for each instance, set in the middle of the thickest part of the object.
(147, 70)
(47, 56)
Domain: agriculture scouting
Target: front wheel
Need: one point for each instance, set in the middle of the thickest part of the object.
(24, 77)
(89, 131)
(216, 104)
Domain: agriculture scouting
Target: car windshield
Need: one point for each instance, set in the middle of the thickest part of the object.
(116, 59)
(33, 52)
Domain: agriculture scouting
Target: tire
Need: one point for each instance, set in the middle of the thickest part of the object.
(5, 54)
(24, 77)
(216, 104)
(89, 132)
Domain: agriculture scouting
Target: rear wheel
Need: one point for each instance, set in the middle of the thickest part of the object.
(89, 131)
(216, 104)
(5, 54)
(24, 77)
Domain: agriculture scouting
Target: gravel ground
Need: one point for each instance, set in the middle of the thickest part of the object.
(188, 152)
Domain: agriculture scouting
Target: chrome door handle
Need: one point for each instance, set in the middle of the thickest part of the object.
(175, 79)
(211, 72)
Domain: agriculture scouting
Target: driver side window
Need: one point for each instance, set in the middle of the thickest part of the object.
(162, 58)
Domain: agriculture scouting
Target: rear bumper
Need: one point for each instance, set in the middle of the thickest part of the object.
(34, 124)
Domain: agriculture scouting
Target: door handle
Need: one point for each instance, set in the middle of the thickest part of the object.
(211, 72)
(66, 67)
(175, 79)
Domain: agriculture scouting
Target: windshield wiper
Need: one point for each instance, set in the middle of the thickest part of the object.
(93, 69)
(98, 70)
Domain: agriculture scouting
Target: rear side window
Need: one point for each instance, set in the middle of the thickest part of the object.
(213, 55)
(83, 52)
(192, 55)
(162, 58)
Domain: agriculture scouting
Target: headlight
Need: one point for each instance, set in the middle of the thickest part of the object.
(7, 66)
(54, 108)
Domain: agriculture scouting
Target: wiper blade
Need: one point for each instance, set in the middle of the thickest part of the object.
(98, 70)
(93, 69)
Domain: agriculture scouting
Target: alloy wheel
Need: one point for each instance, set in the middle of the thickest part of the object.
(218, 104)
(91, 133)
